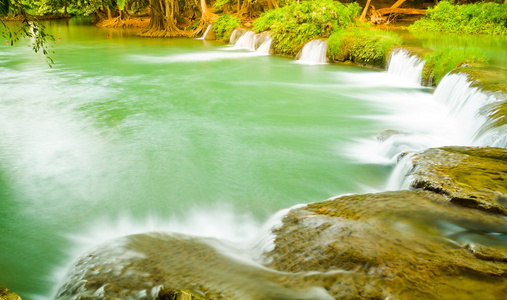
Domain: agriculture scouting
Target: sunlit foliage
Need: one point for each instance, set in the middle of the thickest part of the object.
(483, 18)
(370, 47)
(293, 25)
(446, 59)
(224, 26)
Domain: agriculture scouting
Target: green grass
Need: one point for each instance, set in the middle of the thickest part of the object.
(362, 46)
(480, 18)
(293, 25)
(447, 59)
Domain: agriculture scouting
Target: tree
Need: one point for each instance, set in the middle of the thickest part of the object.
(164, 22)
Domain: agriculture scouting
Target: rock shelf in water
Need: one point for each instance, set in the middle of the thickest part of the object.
(413, 244)
(470, 177)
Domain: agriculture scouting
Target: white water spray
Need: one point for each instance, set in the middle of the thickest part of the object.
(247, 41)
(403, 64)
(313, 53)
(265, 47)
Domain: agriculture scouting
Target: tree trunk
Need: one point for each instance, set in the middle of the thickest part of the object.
(365, 10)
(398, 3)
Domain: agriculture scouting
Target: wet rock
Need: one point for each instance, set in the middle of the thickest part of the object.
(471, 177)
(165, 266)
(5, 294)
(414, 244)
(388, 133)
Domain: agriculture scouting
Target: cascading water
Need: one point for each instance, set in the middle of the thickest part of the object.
(247, 41)
(206, 32)
(265, 47)
(469, 105)
(313, 53)
(466, 108)
(402, 64)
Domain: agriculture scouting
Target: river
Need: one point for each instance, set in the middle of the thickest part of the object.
(127, 134)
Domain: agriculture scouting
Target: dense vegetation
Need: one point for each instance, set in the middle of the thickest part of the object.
(446, 59)
(370, 47)
(224, 26)
(483, 17)
(295, 24)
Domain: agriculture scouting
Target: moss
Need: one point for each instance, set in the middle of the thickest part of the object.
(446, 59)
(368, 47)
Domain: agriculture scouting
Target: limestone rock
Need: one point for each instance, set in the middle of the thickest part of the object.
(470, 177)
(414, 244)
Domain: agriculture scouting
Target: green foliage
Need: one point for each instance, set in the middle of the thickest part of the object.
(483, 18)
(371, 47)
(224, 26)
(35, 31)
(219, 5)
(294, 25)
(446, 59)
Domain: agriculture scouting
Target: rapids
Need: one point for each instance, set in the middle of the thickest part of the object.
(127, 136)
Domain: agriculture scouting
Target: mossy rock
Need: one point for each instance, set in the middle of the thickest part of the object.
(474, 177)
(402, 241)
(5, 294)
(487, 78)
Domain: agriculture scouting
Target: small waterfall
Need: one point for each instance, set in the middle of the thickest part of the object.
(469, 106)
(234, 37)
(247, 41)
(203, 37)
(265, 47)
(313, 53)
(398, 179)
(403, 64)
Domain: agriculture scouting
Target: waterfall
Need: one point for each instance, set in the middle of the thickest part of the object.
(205, 33)
(234, 37)
(247, 41)
(313, 53)
(469, 105)
(468, 109)
(265, 47)
(402, 64)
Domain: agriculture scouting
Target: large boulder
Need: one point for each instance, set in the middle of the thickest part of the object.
(413, 244)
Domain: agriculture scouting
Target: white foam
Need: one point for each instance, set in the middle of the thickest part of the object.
(406, 66)
(313, 53)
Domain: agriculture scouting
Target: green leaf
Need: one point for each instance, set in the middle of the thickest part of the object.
(121, 4)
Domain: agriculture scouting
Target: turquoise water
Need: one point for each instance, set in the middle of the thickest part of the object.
(126, 134)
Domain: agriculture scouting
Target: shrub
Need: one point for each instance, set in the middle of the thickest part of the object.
(447, 59)
(483, 18)
(224, 26)
(294, 25)
(371, 47)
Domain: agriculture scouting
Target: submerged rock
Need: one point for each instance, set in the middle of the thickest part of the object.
(415, 244)
(5, 294)
(470, 177)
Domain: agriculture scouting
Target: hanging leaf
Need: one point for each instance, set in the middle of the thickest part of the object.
(121, 4)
